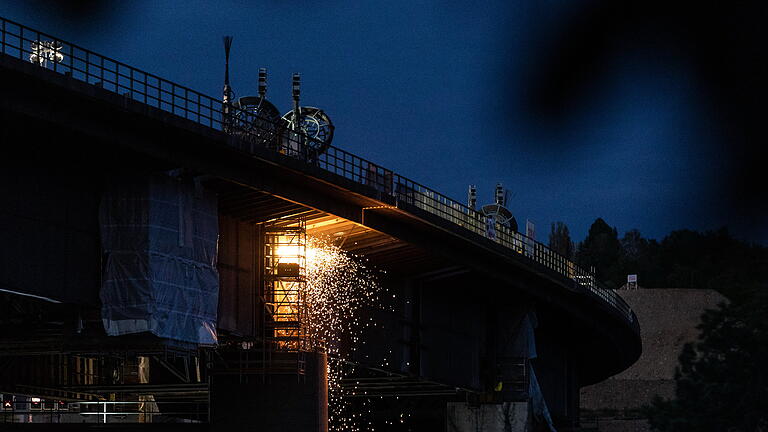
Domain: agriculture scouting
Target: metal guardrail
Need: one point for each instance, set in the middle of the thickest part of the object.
(84, 65)
(145, 410)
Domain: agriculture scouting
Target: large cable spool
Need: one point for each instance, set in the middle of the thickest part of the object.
(313, 123)
(256, 119)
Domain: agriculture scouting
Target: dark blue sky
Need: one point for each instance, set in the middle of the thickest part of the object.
(443, 94)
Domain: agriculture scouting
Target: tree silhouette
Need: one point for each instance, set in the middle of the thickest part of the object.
(602, 250)
(560, 240)
(722, 382)
(722, 379)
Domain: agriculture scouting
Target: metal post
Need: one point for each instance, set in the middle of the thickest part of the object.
(296, 126)
(296, 96)
(262, 83)
(227, 95)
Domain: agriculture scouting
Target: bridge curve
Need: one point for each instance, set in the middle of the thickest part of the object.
(114, 103)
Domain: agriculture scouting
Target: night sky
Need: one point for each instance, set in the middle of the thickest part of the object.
(645, 114)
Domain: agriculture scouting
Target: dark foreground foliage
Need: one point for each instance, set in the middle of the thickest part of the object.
(722, 379)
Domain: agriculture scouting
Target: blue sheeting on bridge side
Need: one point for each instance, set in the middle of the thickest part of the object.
(159, 236)
(538, 404)
(524, 345)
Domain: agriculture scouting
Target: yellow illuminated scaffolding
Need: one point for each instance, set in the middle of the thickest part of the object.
(285, 288)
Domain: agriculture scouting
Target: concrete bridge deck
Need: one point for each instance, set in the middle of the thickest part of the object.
(89, 116)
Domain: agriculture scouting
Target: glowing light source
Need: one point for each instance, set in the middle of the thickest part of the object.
(43, 52)
(316, 296)
(288, 253)
(285, 286)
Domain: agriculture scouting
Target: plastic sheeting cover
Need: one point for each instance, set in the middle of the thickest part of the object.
(538, 404)
(159, 235)
(525, 346)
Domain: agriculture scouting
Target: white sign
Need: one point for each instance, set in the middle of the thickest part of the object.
(530, 230)
(632, 278)
(530, 233)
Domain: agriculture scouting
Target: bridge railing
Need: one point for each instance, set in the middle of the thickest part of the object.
(84, 65)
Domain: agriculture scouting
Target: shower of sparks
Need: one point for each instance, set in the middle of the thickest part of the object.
(339, 288)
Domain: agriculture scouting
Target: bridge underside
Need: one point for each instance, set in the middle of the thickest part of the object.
(381, 250)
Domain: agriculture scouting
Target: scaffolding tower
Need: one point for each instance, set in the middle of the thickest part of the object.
(286, 323)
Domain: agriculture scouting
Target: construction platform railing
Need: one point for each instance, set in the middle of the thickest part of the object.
(84, 65)
(142, 410)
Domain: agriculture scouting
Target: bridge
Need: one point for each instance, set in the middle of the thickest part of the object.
(478, 321)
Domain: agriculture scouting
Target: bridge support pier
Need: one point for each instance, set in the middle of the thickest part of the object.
(497, 417)
(513, 401)
(274, 402)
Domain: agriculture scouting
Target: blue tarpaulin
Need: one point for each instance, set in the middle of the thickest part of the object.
(159, 236)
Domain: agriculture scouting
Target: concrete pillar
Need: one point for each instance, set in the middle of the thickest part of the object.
(501, 417)
(505, 405)
(278, 403)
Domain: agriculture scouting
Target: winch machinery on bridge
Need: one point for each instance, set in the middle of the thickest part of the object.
(304, 130)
